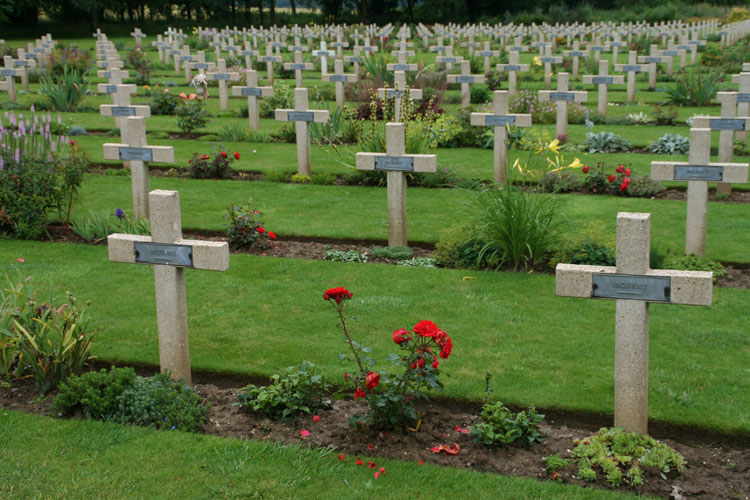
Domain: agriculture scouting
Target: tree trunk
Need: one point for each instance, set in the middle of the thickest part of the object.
(293, 5)
(272, 8)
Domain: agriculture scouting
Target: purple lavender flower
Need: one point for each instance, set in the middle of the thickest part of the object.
(119, 213)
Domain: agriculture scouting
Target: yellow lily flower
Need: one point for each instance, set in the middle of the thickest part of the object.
(554, 146)
(576, 164)
(537, 62)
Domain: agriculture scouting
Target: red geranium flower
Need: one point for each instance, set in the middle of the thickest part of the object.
(236, 155)
(338, 294)
(359, 393)
(426, 328)
(611, 178)
(585, 169)
(205, 157)
(316, 418)
(341, 457)
(420, 363)
(372, 379)
(447, 348)
(400, 336)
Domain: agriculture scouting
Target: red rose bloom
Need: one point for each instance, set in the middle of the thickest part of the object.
(420, 363)
(359, 393)
(623, 186)
(224, 154)
(237, 156)
(205, 157)
(627, 172)
(372, 380)
(585, 169)
(338, 294)
(440, 338)
(611, 178)
(447, 348)
(272, 235)
(400, 336)
(261, 230)
(426, 328)
(620, 168)
(435, 363)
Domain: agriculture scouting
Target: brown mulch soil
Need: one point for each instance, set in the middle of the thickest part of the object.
(681, 195)
(718, 466)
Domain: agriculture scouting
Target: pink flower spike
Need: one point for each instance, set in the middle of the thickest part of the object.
(304, 433)
(316, 418)
(377, 475)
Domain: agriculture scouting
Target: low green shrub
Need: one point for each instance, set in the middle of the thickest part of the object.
(394, 253)
(300, 390)
(65, 92)
(164, 103)
(191, 115)
(95, 394)
(695, 263)
(480, 94)
(606, 142)
(603, 178)
(202, 167)
(670, 144)
(282, 98)
(77, 130)
(664, 115)
(234, 132)
(245, 228)
(563, 181)
(344, 256)
(458, 248)
(500, 427)
(693, 89)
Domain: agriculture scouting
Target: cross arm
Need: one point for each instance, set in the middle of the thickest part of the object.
(12, 71)
(731, 173)
(487, 120)
(465, 78)
(252, 91)
(274, 59)
(104, 73)
(223, 76)
(156, 154)
(718, 123)
(112, 110)
(413, 93)
(299, 66)
(418, 163)
(570, 95)
(207, 255)
(512, 67)
(349, 78)
(686, 287)
(650, 59)
(402, 67)
(607, 79)
(292, 115)
(638, 68)
(109, 64)
(449, 59)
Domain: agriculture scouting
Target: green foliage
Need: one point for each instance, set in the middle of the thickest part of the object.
(623, 458)
(64, 92)
(593, 245)
(641, 118)
(94, 227)
(95, 394)
(423, 262)
(202, 167)
(519, 229)
(191, 115)
(344, 256)
(480, 94)
(500, 427)
(560, 182)
(300, 390)
(603, 178)
(694, 89)
(375, 67)
(670, 144)
(456, 131)
(164, 103)
(695, 263)
(245, 227)
(66, 59)
(234, 132)
(282, 98)
(287, 133)
(48, 340)
(395, 253)
(77, 130)
(161, 403)
(606, 142)
(664, 115)
(459, 248)
(141, 64)
(301, 179)
(556, 462)
(342, 128)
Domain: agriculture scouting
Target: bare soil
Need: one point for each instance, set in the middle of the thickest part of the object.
(718, 465)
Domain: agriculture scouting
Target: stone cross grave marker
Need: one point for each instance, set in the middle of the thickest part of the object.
(186, 59)
(500, 120)
(698, 171)
(548, 61)
(743, 100)
(121, 107)
(470, 44)
(399, 78)
(248, 53)
(402, 64)
(669, 54)
(298, 66)
(465, 79)
(339, 44)
(652, 60)
(512, 68)
(114, 77)
(603, 80)
(487, 53)
(631, 69)
(355, 59)
(160, 45)
(302, 116)
(576, 53)
(323, 54)
(222, 76)
(633, 285)
(396, 162)
(138, 154)
(449, 59)
(727, 125)
(252, 91)
(517, 46)
(199, 63)
(26, 63)
(562, 96)
(269, 59)
(11, 73)
(340, 78)
(139, 36)
(597, 48)
(170, 255)
(615, 44)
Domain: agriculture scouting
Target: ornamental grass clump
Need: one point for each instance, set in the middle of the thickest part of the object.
(390, 397)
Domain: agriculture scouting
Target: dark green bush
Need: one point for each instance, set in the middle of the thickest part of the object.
(96, 394)
(500, 427)
(480, 94)
(164, 103)
(396, 253)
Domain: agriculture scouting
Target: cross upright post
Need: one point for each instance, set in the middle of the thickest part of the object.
(512, 68)
(302, 116)
(396, 162)
(138, 154)
(603, 80)
(698, 171)
(10, 73)
(633, 285)
(743, 100)
(252, 91)
(548, 61)
(576, 53)
(122, 108)
(269, 59)
(487, 53)
(298, 66)
(398, 92)
(170, 254)
(631, 69)
(222, 76)
(465, 79)
(562, 96)
(340, 78)
(323, 54)
(500, 121)
(652, 60)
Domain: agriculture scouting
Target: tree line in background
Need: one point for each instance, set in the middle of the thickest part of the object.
(24, 16)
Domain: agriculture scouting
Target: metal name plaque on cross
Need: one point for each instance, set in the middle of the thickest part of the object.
(672, 53)
(355, 59)
(7, 72)
(698, 173)
(394, 163)
(512, 67)
(727, 124)
(449, 60)
(300, 116)
(337, 78)
(395, 93)
(164, 254)
(626, 286)
(653, 60)
(743, 98)
(110, 89)
(561, 96)
(499, 120)
(200, 65)
(401, 67)
(486, 53)
(575, 53)
(465, 79)
(136, 154)
(246, 53)
(297, 66)
(598, 49)
(607, 80)
(550, 60)
(631, 67)
(22, 62)
(186, 58)
(248, 91)
(221, 76)
(515, 49)
(123, 111)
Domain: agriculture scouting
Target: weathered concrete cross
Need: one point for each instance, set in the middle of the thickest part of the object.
(402, 64)
(24, 62)
(396, 162)
(487, 53)
(248, 54)
(631, 69)
(340, 78)
(222, 76)
(512, 68)
(121, 108)
(399, 78)
(743, 100)
(298, 66)
(302, 116)
(603, 80)
(633, 285)
(562, 96)
(698, 171)
(465, 79)
(548, 61)
(652, 60)
(576, 53)
(10, 73)
(170, 254)
(269, 59)
(323, 54)
(137, 153)
(500, 121)
(139, 36)
(252, 91)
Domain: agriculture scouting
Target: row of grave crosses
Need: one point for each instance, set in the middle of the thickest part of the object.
(28, 59)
